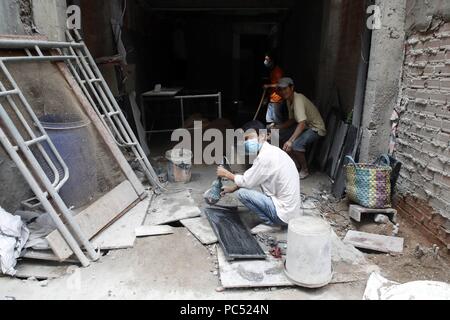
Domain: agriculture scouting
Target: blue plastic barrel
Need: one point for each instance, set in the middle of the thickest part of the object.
(71, 136)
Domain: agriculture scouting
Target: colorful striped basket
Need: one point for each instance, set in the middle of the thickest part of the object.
(369, 185)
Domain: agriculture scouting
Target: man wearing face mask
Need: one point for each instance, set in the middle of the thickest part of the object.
(274, 173)
(276, 108)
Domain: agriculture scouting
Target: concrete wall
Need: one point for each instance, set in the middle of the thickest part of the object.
(10, 17)
(383, 83)
(423, 143)
(50, 18)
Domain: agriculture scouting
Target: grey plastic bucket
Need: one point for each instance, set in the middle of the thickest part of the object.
(179, 166)
(308, 257)
(71, 137)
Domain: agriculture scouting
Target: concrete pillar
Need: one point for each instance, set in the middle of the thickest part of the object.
(50, 18)
(383, 81)
(10, 17)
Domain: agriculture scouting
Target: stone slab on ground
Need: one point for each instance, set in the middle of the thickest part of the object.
(356, 212)
(349, 265)
(121, 234)
(171, 207)
(201, 229)
(148, 231)
(374, 242)
(252, 273)
(40, 270)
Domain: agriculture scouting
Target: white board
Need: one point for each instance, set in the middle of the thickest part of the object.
(171, 207)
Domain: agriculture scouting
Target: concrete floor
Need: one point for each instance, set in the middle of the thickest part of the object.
(175, 266)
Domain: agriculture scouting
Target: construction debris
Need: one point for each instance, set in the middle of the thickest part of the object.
(147, 231)
(201, 229)
(171, 207)
(356, 212)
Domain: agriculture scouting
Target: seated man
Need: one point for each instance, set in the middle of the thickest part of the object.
(275, 173)
(304, 127)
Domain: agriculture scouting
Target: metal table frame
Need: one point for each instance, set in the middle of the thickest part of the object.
(181, 98)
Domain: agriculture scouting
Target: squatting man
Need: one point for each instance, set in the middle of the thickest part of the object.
(275, 173)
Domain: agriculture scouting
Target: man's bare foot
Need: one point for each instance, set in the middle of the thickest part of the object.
(304, 174)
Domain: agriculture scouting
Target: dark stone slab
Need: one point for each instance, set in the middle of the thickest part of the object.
(235, 239)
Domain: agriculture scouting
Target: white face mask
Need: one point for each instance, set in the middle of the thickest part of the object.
(268, 63)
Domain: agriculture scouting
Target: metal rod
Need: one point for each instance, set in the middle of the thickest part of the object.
(31, 44)
(220, 105)
(84, 71)
(37, 58)
(36, 189)
(198, 96)
(182, 112)
(8, 92)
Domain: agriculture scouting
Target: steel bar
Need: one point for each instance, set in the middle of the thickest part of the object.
(37, 58)
(34, 185)
(8, 92)
(31, 44)
(84, 73)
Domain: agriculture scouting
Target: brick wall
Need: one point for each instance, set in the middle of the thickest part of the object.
(423, 143)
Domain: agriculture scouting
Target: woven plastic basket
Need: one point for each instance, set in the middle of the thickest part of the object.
(369, 185)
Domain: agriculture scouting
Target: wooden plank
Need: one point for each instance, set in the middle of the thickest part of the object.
(46, 256)
(149, 231)
(121, 234)
(102, 131)
(201, 229)
(374, 242)
(349, 144)
(96, 217)
(40, 270)
(171, 207)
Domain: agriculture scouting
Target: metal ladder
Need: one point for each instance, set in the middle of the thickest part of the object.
(89, 78)
(19, 149)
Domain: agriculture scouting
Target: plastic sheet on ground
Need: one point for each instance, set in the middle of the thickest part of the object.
(380, 288)
(13, 237)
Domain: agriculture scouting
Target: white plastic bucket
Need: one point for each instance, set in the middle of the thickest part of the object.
(179, 167)
(308, 257)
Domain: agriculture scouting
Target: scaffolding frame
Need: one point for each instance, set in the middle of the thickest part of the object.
(86, 73)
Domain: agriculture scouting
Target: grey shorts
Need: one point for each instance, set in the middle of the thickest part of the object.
(307, 138)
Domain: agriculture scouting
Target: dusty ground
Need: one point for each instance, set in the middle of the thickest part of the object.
(418, 261)
(178, 267)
